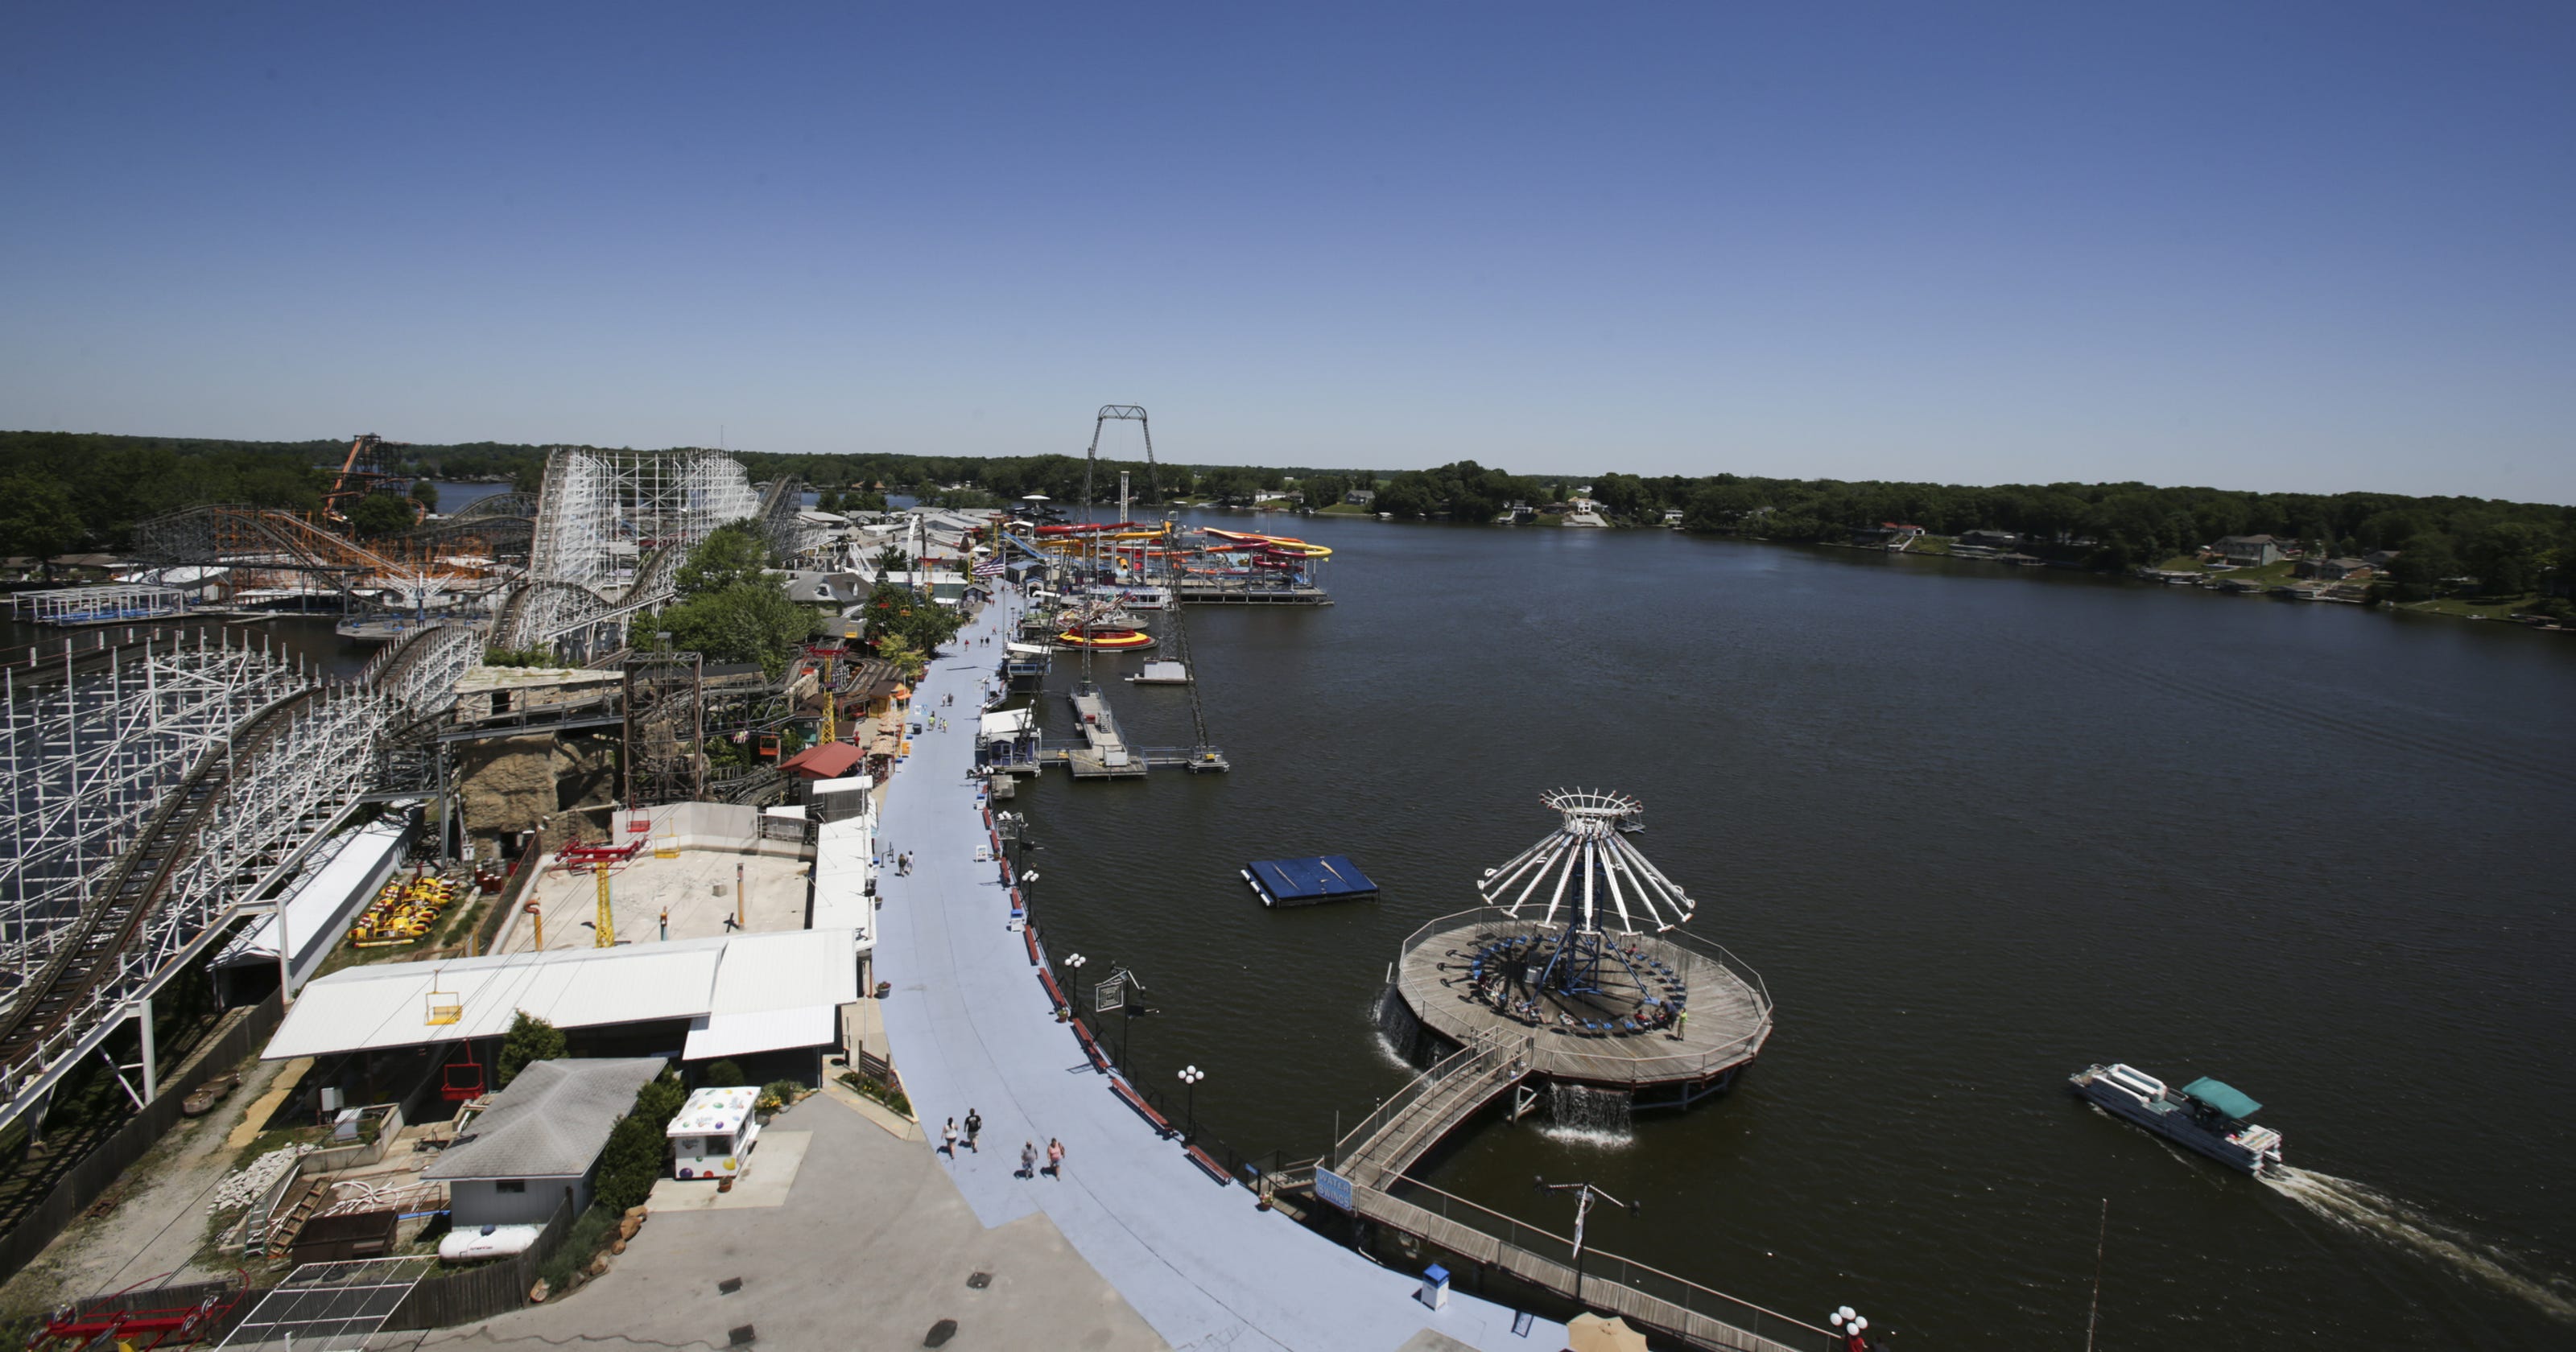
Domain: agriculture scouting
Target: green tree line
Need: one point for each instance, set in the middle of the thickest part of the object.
(63, 491)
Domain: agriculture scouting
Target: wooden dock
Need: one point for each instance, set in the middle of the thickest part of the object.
(1643, 1296)
(1219, 592)
(1730, 1013)
(1372, 1160)
(1103, 753)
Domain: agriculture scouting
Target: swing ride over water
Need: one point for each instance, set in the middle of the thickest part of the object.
(1579, 947)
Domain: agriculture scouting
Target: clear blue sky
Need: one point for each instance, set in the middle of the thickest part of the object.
(2263, 246)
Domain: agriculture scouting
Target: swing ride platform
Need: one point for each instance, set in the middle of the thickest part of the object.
(1468, 979)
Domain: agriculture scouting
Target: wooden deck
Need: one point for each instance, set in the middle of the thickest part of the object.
(1599, 1290)
(1729, 1018)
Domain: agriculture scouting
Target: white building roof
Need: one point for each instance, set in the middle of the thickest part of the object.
(744, 1034)
(841, 869)
(319, 897)
(718, 1111)
(1005, 724)
(361, 1008)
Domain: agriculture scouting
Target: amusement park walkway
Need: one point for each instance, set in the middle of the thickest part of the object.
(970, 1027)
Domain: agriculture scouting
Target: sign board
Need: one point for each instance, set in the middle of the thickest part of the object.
(1332, 1187)
(1109, 995)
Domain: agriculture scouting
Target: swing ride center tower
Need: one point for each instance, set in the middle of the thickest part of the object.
(1579, 958)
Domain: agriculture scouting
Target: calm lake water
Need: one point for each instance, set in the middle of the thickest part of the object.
(1977, 828)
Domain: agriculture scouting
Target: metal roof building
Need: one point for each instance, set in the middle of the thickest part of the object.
(726, 987)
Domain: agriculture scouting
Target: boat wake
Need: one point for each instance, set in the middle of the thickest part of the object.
(2366, 1210)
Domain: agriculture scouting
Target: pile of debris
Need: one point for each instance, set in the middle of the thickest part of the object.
(255, 1178)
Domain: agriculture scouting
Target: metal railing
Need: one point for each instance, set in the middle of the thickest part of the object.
(1598, 1266)
(1693, 946)
(1493, 1056)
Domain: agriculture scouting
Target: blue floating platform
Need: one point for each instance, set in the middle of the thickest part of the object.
(1304, 882)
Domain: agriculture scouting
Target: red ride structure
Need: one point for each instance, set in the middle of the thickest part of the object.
(104, 1323)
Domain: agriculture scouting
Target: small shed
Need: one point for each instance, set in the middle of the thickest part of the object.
(345, 1238)
(540, 1138)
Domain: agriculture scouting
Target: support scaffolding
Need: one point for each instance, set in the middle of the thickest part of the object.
(612, 529)
(666, 727)
(222, 839)
(88, 755)
(159, 791)
(273, 551)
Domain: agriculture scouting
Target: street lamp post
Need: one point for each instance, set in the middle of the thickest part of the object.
(1191, 1075)
(1848, 1323)
(1584, 1196)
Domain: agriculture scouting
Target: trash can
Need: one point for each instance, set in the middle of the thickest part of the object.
(1435, 1287)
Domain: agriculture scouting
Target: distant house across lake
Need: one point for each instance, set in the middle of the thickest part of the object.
(2248, 551)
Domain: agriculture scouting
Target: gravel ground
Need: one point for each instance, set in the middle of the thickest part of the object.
(160, 1222)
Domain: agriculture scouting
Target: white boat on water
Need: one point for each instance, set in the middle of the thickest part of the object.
(1162, 671)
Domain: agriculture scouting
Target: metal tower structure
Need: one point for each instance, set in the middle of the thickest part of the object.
(1586, 870)
(1091, 458)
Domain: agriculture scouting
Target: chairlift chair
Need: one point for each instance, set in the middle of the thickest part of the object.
(462, 1081)
(444, 1007)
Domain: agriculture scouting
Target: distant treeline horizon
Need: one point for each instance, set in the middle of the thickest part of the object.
(80, 489)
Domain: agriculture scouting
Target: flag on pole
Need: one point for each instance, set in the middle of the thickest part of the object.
(989, 568)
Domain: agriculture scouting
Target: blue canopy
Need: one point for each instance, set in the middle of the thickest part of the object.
(2226, 1099)
(1314, 878)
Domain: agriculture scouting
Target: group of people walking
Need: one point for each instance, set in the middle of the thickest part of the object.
(950, 1138)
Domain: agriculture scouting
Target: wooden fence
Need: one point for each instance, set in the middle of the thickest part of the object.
(480, 1293)
(83, 1183)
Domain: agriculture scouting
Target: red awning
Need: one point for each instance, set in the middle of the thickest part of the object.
(830, 760)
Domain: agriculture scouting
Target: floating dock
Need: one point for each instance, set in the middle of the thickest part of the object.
(1304, 882)
(1226, 592)
(1104, 753)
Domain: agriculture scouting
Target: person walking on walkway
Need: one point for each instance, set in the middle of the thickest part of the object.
(666, 922)
(1055, 1158)
(974, 1124)
(948, 1139)
(1028, 1159)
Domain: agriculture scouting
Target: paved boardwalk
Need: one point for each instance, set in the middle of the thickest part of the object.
(864, 1251)
(971, 1028)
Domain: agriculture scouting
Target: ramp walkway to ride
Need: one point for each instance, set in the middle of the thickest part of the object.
(971, 1027)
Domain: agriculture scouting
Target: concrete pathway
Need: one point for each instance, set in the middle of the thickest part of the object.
(869, 1249)
(971, 1028)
